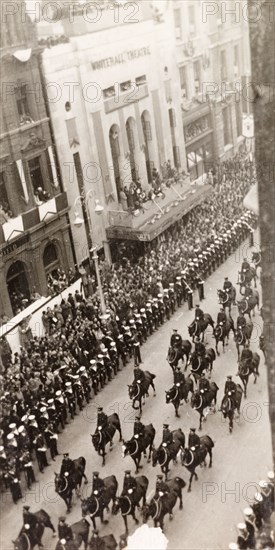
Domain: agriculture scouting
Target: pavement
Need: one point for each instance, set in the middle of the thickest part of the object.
(214, 507)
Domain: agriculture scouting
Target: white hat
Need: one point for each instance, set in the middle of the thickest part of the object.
(159, 295)
(68, 384)
(270, 475)
(142, 310)
(148, 304)
(100, 356)
(241, 526)
(248, 511)
(32, 417)
(113, 344)
(10, 436)
(43, 409)
(2, 449)
(233, 546)
(58, 393)
(132, 322)
(263, 483)
(21, 429)
(258, 497)
(81, 369)
(92, 362)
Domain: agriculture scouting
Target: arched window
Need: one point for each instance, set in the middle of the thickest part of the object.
(50, 259)
(18, 286)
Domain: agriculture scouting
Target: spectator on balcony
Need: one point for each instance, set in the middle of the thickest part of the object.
(131, 195)
(41, 195)
(34, 295)
(123, 199)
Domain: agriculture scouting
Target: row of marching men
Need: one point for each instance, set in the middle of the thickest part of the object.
(255, 530)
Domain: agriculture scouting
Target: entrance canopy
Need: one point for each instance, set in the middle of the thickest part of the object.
(158, 215)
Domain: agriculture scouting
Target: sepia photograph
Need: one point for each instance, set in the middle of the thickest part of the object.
(137, 274)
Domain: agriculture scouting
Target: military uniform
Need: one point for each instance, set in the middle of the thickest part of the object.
(241, 322)
(64, 530)
(139, 428)
(129, 483)
(204, 384)
(176, 340)
(247, 355)
(102, 419)
(221, 317)
(98, 483)
(138, 374)
(167, 436)
(179, 377)
(193, 439)
(161, 488)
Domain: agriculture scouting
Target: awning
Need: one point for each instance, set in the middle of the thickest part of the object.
(160, 222)
(251, 201)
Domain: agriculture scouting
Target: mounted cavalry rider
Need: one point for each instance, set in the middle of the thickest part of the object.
(245, 265)
(161, 488)
(241, 321)
(227, 286)
(204, 384)
(247, 355)
(179, 377)
(176, 340)
(30, 519)
(65, 531)
(129, 484)
(199, 315)
(67, 466)
(98, 484)
(248, 291)
(221, 317)
(230, 387)
(167, 436)
(193, 440)
(139, 375)
(102, 420)
(199, 347)
(139, 428)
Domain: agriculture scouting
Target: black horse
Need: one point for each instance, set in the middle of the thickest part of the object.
(246, 305)
(29, 538)
(164, 454)
(66, 483)
(192, 458)
(227, 298)
(198, 327)
(200, 400)
(80, 531)
(245, 277)
(222, 331)
(201, 363)
(175, 354)
(138, 445)
(245, 368)
(138, 390)
(95, 504)
(178, 392)
(101, 438)
(229, 405)
(127, 503)
(162, 505)
(243, 336)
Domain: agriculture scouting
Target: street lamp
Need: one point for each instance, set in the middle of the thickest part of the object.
(78, 222)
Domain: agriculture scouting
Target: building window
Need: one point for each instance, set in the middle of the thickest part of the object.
(177, 21)
(197, 75)
(226, 126)
(147, 131)
(183, 82)
(140, 80)
(223, 65)
(172, 118)
(109, 92)
(35, 173)
(4, 200)
(124, 86)
(22, 105)
(51, 260)
(18, 286)
(191, 20)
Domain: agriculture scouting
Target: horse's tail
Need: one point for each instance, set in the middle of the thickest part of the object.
(211, 442)
(152, 376)
(82, 462)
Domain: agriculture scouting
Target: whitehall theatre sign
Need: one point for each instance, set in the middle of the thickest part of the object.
(121, 58)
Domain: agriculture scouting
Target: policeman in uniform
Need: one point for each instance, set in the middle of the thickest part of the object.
(139, 428)
(65, 531)
(199, 347)
(98, 484)
(167, 436)
(29, 518)
(193, 439)
(176, 340)
(40, 451)
(245, 265)
(199, 315)
(136, 344)
(241, 321)
(129, 484)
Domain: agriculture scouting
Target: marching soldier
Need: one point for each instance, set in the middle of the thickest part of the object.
(150, 317)
(114, 357)
(179, 291)
(257, 508)
(162, 303)
(26, 462)
(69, 395)
(40, 451)
(250, 525)
(193, 439)
(52, 438)
(122, 349)
(60, 406)
(171, 292)
(243, 536)
(136, 344)
(139, 428)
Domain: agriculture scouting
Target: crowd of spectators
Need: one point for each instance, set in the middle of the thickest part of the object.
(75, 332)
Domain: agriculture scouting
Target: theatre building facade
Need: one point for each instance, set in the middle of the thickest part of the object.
(34, 231)
(113, 96)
